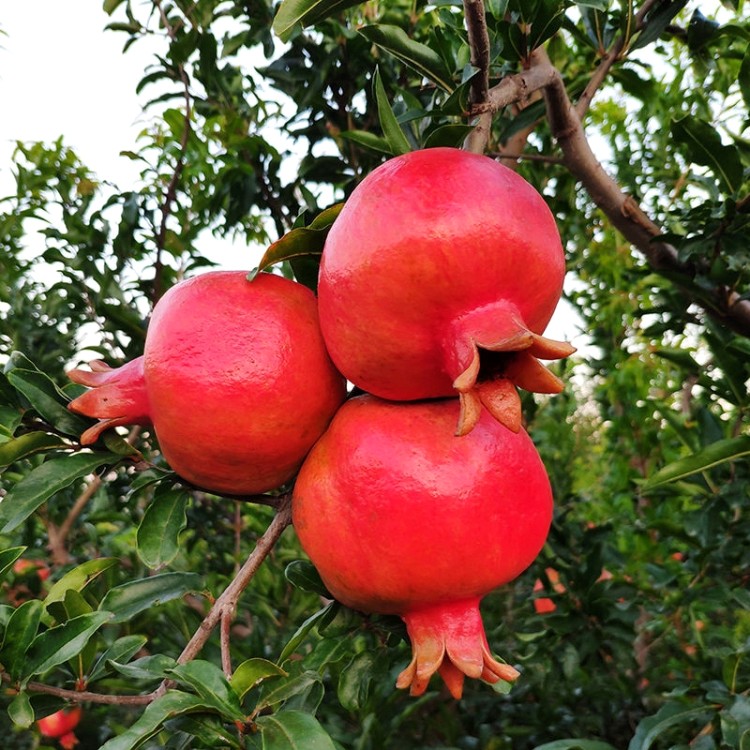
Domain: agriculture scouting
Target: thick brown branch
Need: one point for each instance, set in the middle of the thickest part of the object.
(621, 209)
(479, 43)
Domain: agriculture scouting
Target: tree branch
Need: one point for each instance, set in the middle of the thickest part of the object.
(479, 43)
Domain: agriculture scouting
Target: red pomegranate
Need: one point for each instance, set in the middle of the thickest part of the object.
(234, 378)
(60, 726)
(400, 517)
(440, 275)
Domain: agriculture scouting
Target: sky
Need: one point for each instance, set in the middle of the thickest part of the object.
(61, 73)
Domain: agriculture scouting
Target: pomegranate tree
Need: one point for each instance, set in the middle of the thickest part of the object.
(401, 517)
(235, 380)
(438, 277)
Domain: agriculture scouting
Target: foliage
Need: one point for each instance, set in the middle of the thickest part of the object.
(257, 126)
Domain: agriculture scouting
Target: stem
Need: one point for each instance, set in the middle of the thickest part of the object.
(479, 43)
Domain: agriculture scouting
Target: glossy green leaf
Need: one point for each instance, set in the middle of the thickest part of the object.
(20, 711)
(47, 399)
(158, 536)
(416, 55)
(656, 22)
(651, 728)
(355, 681)
(300, 242)
(134, 597)
(43, 482)
(28, 444)
(451, 136)
(171, 704)
(743, 77)
(251, 673)
(8, 557)
(368, 140)
(110, 6)
(79, 577)
(304, 576)
(304, 629)
(283, 690)
(122, 650)
(147, 668)
(293, 730)
(574, 744)
(704, 146)
(19, 635)
(210, 683)
(293, 14)
(61, 643)
(729, 449)
(388, 122)
(209, 731)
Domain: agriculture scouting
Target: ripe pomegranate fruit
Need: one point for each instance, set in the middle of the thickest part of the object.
(60, 726)
(439, 275)
(400, 517)
(234, 378)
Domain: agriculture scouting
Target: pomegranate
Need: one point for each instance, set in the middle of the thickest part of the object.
(60, 726)
(400, 517)
(234, 378)
(440, 275)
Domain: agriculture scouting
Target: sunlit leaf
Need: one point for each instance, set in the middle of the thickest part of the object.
(79, 577)
(28, 444)
(20, 711)
(159, 531)
(251, 673)
(299, 13)
(293, 730)
(388, 122)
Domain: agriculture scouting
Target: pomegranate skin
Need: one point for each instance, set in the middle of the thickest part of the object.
(234, 378)
(400, 517)
(439, 256)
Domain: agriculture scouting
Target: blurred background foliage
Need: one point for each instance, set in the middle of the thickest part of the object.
(633, 627)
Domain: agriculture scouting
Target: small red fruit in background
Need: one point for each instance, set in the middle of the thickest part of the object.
(438, 278)
(544, 605)
(401, 517)
(60, 726)
(24, 566)
(235, 380)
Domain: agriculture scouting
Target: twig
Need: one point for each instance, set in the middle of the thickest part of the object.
(479, 43)
(615, 53)
(226, 604)
(84, 696)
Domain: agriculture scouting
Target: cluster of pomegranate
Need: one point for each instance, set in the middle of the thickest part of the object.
(436, 283)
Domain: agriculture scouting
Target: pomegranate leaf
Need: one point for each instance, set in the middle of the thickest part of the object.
(368, 140)
(20, 632)
(170, 705)
(20, 711)
(28, 444)
(729, 449)
(251, 673)
(122, 650)
(43, 482)
(159, 532)
(131, 598)
(8, 557)
(666, 717)
(293, 730)
(209, 682)
(61, 643)
(302, 574)
(572, 744)
(388, 122)
(78, 578)
(297, 13)
(416, 55)
(321, 616)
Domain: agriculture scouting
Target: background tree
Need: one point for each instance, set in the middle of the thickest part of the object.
(180, 619)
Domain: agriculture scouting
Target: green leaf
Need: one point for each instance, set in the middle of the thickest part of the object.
(56, 645)
(668, 715)
(717, 453)
(657, 21)
(28, 444)
(47, 399)
(209, 682)
(388, 122)
(110, 6)
(20, 711)
(43, 482)
(744, 77)
(575, 745)
(704, 146)
(420, 57)
(298, 13)
(355, 681)
(302, 631)
(8, 557)
(19, 635)
(168, 706)
(251, 673)
(159, 531)
(448, 135)
(79, 577)
(293, 730)
(148, 668)
(122, 650)
(134, 597)
(368, 140)
(304, 576)
(284, 690)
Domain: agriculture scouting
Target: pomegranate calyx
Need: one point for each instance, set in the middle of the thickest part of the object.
(117, 396)
(487, 353)
(449, 638)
